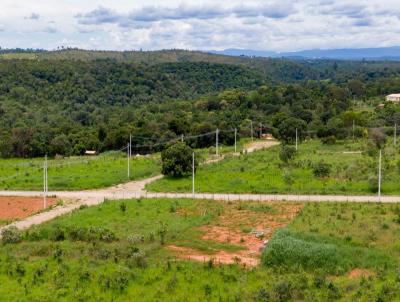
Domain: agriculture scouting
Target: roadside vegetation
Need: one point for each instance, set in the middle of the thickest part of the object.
(120, 251)
(342, 167)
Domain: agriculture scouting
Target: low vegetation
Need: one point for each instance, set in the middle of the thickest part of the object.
(119, 251)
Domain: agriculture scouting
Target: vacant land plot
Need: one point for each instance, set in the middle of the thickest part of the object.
(12, 208)
(75, 173)
(248, 226)
(351, 171)
(124, 250)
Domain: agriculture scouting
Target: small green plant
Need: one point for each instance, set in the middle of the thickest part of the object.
(322, 169)
(122, 207)
(287, 153)
(162, 232)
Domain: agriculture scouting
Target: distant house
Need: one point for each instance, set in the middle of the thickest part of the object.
(267, 136)
(380, 106)
(393, 97)
(90, 152)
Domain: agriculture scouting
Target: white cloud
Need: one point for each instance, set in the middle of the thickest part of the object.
(282, 25)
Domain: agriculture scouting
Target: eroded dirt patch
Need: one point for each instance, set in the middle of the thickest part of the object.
(248, 225)
(12, 208)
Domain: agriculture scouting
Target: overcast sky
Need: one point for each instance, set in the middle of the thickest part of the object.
(277, 25)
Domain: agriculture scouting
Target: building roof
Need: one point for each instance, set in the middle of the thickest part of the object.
(397, 95)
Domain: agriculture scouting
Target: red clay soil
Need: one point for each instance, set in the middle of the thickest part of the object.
(229, 229)
(12, 208)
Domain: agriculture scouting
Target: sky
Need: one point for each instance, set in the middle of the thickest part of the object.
(276, 25)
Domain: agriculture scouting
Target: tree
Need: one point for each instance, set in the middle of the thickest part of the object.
(177, 160)
(378, 137)
(287, 129)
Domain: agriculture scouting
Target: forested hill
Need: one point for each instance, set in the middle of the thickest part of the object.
(274, 70)
(103, 82)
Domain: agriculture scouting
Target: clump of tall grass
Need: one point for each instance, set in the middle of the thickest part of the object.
(315, 252)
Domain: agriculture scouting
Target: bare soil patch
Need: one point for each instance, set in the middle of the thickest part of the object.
(258, 145)
(248, 225)
(12, 208)
(360, 273)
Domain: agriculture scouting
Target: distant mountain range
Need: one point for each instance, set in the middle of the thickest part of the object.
(381, 53)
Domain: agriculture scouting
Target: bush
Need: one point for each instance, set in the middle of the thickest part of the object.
(287, 153)
(11, 235)
(177, 160)
(373, 184)
(322, 169)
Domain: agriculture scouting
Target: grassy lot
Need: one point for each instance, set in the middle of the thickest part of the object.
(114, 252)
(87, 172)
(264, 172)
(75, 173)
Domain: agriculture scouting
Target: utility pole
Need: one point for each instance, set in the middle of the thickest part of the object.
(130, 152)
(251, 130)
(182, 138)
(216, 142)
(193, 174)
(45, 183)
(395, 134)
(353, 130)
(235, 139)
(260, 130)
(380, 175)
(129, 164)
(296, 139)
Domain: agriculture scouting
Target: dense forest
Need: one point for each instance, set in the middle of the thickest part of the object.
(65, 106)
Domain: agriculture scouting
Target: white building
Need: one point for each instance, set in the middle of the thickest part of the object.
(393, 97)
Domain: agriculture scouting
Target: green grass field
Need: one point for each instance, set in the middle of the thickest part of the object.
(113, 252)
(75, 173)
(264, 172)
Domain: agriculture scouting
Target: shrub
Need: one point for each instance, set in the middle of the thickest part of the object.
(322, 169)
(57, 233)
(282, 291)
(135, 239)
(329, 140)
(11, 235)
(162, 232)
(122, 207)
(373, 184)
(288, 178)
(287, 153)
